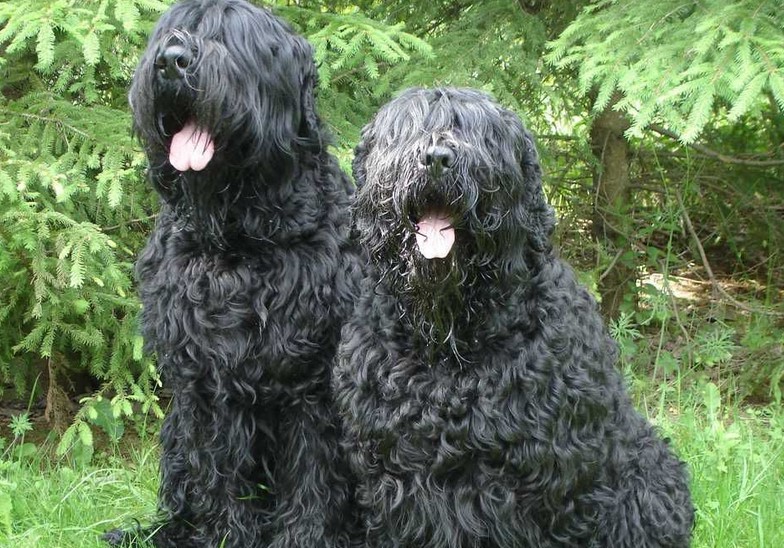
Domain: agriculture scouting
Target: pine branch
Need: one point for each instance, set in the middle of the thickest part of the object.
(702, 149)
(39, 118)
(676, 62)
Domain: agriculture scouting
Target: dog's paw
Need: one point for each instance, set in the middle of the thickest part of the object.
(116, 537)
(129, 538)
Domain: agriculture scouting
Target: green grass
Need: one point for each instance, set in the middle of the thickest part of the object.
(736, 461)
(735, 456)
(43, 504)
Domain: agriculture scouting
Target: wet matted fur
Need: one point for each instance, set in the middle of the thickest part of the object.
(245, 281)
(480, 401)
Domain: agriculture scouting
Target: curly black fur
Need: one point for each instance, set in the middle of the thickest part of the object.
(245, 283)
(480, 401)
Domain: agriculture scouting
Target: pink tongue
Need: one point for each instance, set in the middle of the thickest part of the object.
(191, 148)
(435, 236)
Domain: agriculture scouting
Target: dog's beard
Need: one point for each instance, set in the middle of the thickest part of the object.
(436, 297)
(438, 291)
(207, 208)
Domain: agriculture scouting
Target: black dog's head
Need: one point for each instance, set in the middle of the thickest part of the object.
(449, 197)
(223, 82)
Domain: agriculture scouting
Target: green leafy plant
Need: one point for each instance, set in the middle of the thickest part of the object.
(625, 333)
(20, 424)
(714, 346)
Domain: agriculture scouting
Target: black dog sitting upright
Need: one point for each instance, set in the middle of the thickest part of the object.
(245, 281)
(476, 380)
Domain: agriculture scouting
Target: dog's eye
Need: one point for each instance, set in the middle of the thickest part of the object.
(274, 51)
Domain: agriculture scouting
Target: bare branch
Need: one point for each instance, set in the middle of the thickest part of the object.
(709, 271)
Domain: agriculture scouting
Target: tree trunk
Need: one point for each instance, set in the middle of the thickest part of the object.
(611, 219)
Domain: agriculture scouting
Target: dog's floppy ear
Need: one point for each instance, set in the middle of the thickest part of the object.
(310, 123)
(540, 216)
(358, 168)
(308, 101)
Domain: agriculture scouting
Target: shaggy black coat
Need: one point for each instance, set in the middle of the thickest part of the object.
(245, 282)
(480, 401)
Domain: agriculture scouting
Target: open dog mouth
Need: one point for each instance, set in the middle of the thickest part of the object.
(435, 233)
(191, 147)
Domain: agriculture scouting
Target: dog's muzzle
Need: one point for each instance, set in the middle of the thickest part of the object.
(435, 233)
(191, 147)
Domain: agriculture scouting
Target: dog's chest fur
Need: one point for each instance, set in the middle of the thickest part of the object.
(479, 434)
(437, 418)
(264, 316)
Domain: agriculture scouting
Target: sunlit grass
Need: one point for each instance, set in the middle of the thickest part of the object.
(56, 505)
(737, 469)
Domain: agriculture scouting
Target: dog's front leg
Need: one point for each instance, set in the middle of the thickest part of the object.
(313, 492)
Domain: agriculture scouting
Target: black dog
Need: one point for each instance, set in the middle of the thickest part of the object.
(475, 378)
(245, 281)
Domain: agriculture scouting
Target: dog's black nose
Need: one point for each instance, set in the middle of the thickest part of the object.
(173, 61)
(439, 158)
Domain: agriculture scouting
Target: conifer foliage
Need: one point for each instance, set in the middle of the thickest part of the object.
(675, 61)
(70, 187)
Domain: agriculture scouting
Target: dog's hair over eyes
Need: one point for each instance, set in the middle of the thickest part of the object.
(251, 80)
(493, 192)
